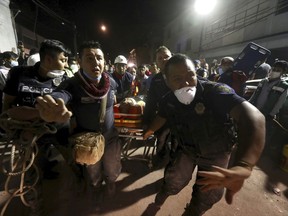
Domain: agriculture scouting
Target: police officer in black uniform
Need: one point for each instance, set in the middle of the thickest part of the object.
(199, 113)
(157, 90)
(24, 84)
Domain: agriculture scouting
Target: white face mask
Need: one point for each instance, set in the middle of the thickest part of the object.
(220, 71)
(98, 78)
(274, 75)
(55, 73)
(185, 95)
(14, 63)
(74, 68)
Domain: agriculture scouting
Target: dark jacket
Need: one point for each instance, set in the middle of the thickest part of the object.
(157, 90)
(85, 108)
(26, 84)
(123, 85)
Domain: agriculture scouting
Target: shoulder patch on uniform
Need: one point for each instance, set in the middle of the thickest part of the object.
(223, 88)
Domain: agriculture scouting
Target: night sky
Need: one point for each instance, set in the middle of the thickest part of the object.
(129, 22)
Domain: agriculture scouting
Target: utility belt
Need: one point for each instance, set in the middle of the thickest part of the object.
(212, 148)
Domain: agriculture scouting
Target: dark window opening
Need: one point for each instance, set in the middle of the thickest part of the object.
(282, 7)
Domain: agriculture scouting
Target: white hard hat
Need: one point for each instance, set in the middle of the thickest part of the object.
(227, 59)
(120, 59)
(33, 59)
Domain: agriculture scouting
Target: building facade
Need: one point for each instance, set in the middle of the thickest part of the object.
(231, 26)
(11, 32)
(30, 39)
(8, 36)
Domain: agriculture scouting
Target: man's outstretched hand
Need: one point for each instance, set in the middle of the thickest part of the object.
(51, 110)
(232, 179)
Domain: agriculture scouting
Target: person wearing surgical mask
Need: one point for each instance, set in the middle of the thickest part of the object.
(275, 73)
(8, 61)
(271, 92)
(46, 75)
(199, 113)
(73, 65)
(269, 97)
(23, 85)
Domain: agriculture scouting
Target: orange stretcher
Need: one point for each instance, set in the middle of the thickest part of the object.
(131, 134)
(127, 120)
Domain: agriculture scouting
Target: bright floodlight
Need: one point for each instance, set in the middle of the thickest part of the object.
(103, 28)
(204, 7)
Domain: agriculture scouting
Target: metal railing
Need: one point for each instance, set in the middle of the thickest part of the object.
(239, 20)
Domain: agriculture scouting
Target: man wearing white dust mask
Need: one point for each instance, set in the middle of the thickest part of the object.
(199, 114)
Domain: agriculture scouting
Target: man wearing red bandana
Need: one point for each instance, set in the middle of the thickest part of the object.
(84, 93)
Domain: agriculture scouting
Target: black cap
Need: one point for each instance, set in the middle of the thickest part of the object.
(20, 43)
(281, 64)
(8, 55)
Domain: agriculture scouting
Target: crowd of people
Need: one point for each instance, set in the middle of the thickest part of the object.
(195, 110)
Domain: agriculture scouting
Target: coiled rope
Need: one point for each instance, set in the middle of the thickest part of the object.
(20, 143)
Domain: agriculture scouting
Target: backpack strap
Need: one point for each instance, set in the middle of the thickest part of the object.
(103, 109)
